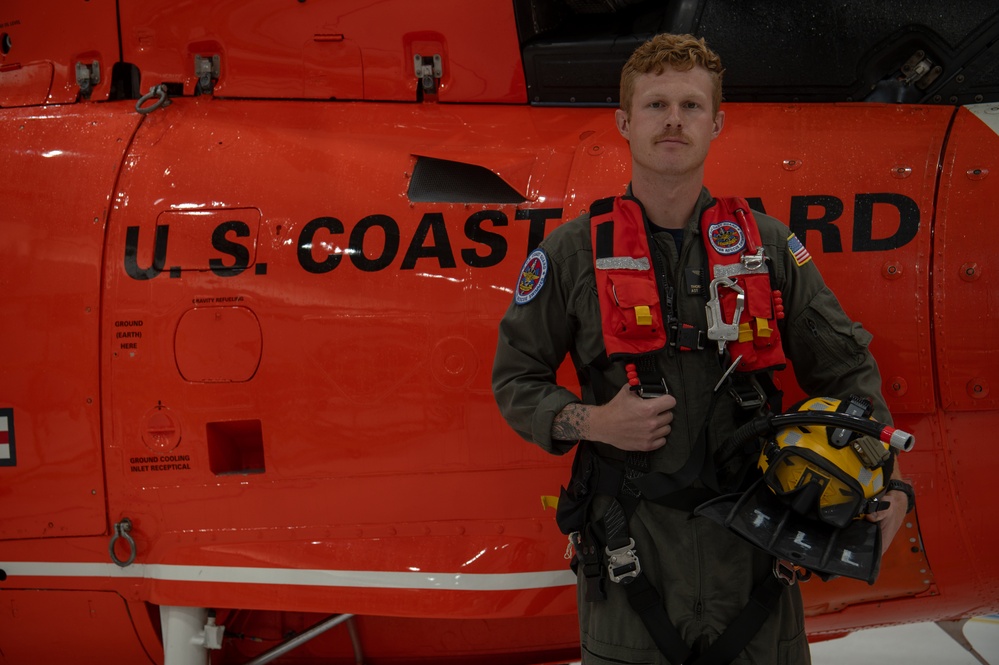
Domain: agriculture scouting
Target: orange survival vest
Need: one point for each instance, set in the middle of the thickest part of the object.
(742, 309)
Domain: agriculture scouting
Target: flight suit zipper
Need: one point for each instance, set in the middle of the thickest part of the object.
(662, 259)
(675, 318)
(671, 314)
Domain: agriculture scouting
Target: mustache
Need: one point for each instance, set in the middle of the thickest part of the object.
(670, 134)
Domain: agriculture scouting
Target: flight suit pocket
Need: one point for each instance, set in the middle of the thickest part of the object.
(629, 658)
(794, 651)
(828, 338)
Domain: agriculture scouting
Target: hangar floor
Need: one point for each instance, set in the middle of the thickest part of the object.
(913, 644)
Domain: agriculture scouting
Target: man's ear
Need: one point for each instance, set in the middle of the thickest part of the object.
(621, 119)
(719, 123)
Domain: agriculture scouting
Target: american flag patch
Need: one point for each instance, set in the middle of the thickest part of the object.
(798, 251)
(7, 457)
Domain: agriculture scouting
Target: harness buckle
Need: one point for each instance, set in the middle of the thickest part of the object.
(646, 391)
(622, 563)
(748, 395)
(785, 572)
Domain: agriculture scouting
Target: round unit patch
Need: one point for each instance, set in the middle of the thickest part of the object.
(726, 237)
(532, 277)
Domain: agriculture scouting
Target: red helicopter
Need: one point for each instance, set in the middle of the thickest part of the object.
(253, 256)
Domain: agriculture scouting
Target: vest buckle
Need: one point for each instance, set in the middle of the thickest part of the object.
(685, 337)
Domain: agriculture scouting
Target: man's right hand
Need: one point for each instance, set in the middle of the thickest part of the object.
(628, 422)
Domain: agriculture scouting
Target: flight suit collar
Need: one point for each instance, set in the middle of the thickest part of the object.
(704, 201)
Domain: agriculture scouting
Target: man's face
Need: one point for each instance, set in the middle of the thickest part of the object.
(671, 122)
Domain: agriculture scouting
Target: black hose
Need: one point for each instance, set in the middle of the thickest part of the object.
(769, 425)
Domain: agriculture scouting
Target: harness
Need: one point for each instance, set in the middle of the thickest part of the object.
(741, 312)
(606, 552)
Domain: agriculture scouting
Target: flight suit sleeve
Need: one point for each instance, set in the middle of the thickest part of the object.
(534, 338)
(827, 349)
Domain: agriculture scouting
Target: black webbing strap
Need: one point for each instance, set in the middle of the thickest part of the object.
(604, 244)
(774, 395)
(592, 560)
(650, 381)
(604, 248)
(645, 600)
(602, 206)
(642, 596)
(615, 480)
(742, 442)
(737, 635)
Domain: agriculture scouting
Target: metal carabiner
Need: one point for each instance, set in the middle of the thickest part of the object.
(718, 330)
(121, 530)
(159, 91)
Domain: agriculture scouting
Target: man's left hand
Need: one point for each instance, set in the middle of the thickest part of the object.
(890, 520)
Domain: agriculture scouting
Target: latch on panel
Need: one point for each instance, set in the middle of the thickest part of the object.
(920, 68)
(87, 76)
(207, 69)
(428, 69)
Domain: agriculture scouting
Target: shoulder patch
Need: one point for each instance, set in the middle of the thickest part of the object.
(798, 251)
(532, 277)
(726, 237)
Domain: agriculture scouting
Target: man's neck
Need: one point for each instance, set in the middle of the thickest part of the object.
(668, 202)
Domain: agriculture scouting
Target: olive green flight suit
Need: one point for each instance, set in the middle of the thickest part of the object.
(703, 572)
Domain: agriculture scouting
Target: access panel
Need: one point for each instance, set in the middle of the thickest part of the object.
(966, 261)
(59, 170)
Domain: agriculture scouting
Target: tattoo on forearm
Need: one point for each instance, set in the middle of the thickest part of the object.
(571, 423)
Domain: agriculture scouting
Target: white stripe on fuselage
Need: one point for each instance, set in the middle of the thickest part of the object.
(296, 577)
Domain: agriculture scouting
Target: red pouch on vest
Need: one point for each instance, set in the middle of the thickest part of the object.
(626, 284)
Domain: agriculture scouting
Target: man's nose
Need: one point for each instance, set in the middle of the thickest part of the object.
(672, 118)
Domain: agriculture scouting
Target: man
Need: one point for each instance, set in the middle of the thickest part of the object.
(702, 575)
